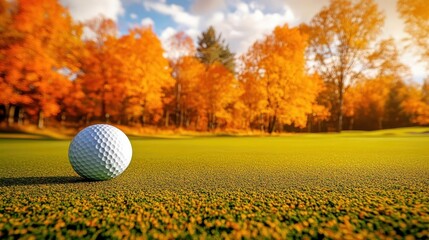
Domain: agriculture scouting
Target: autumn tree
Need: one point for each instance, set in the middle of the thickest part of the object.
(416, 105)
(211, 48)
(395, 116)
(39, 65)
(276, 84)
(368, 103)
(341, 36)
(181, 50)
(147, 75)
(189, 73)
(99, 69)
(9, 36)
(389, 73)
(415, 13)
(219, 91)
(213, 52)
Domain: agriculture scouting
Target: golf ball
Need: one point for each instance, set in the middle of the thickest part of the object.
(100, 152)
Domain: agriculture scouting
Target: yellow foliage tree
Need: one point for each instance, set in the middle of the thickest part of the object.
(415, 13)
(189, 74)
(417, 106)
(366, 100)
(219, 90)
(275, 81)
(341, 35)
(147, 72)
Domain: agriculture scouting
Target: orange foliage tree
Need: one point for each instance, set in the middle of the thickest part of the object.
(147, 73)
(39, 65)
(417, 104)
(10, 96)
(366, 101)
(218, 86)
(219, 90)
(277, 88)
(189, 72)
(185, 71)
(99, 70)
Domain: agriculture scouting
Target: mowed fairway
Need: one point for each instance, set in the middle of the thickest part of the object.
(353, 185)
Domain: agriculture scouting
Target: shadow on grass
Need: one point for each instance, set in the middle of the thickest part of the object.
(26, 181)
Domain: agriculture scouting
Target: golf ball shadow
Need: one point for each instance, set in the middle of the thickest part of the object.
(100, 152)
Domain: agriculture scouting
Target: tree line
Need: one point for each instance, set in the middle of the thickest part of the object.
(331, 74)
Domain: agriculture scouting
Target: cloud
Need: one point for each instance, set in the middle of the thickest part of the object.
(83, 10)
(239, 23)
(133, 16)
(147, 22)
(177, 12)
(246, 24)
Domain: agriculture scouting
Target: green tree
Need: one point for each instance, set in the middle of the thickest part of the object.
(212, 48)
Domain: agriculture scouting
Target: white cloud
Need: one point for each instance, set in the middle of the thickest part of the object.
(133, 16)
(83, 10)
(147, 22)
(178, 14)
(245, 24)
(240, 27)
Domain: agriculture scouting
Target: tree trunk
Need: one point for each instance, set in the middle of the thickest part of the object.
(178, 105)
(63, 119)
(380, 123)
(272, 124)
(103, 106)
(40, 120)
(21, 116)
(209, 121)
(88, 119)
(143, 120)
(352, 120)
(167, 118)
(309, 124)
(214, 122)
(11, 115)
(187, 121)
(181, 118)
(340, 106)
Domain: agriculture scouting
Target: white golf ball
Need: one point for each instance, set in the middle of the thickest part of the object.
(100, 152)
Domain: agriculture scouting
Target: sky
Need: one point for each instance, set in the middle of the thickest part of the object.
(240, 22)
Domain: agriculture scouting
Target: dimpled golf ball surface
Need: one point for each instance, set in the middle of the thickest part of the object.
(100, 152)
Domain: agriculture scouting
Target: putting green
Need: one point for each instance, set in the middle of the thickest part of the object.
(356, 184)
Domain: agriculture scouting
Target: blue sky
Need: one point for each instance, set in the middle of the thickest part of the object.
(241, 22)
(136, 12)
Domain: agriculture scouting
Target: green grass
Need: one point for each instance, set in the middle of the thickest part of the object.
(353, 185)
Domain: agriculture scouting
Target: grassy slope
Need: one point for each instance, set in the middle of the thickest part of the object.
(315, 185)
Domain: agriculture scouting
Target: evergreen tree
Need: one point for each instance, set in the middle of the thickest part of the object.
(212, 48)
